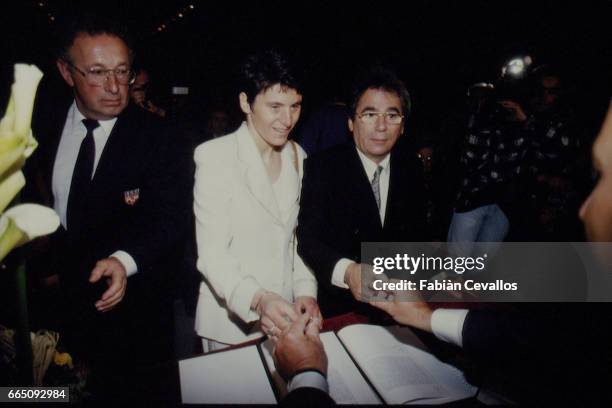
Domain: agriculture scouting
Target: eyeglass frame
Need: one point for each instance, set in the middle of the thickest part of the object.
(107, 73)
(385, 115)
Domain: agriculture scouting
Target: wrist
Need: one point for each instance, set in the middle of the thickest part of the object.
(304, 370)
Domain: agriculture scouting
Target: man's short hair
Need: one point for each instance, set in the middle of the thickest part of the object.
(379, 77)
(91, 25)
(262, 71)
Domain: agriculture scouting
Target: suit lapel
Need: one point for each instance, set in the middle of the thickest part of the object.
(363, 192)
(254, 173)
(394, 187)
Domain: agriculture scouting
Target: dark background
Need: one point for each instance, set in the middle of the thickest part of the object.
(439, 48)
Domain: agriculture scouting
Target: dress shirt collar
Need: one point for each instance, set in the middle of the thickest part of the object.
(77, 118)
(370, 166)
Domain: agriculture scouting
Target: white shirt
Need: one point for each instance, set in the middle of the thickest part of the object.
(67, 152)
(370, 168)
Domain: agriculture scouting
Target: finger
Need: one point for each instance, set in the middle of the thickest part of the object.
(110, 305)
(288, 312)
(299, 326)
(266, 324)
(114, 286)
(312, 331)
(279, 320)
(115, 298)
(111, 302)
(97, 272)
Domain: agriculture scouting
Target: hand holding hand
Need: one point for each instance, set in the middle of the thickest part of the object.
(415, 313)
(308, 305)
(299, 348)
(275, 312)
(116, 276)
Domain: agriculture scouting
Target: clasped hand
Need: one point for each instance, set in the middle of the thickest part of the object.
(276, 313)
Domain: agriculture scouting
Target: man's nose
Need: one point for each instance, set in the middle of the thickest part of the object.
(111, 85)
(381, 123)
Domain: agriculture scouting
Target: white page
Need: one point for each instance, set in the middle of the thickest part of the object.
(346, 384)
(396, 362)
(229, 377)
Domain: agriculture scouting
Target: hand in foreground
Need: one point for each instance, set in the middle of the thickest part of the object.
(360, 278)
(308, 305)
(116, 276)
(275, 312)
(415, 313)
(299, 348)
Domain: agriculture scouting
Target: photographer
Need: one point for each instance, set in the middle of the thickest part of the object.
(492, 161)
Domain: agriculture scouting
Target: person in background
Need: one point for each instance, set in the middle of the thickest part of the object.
(139, 93)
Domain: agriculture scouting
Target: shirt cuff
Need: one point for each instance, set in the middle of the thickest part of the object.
(447, 325)
(312, 379)
(127, 261)
(339, 272)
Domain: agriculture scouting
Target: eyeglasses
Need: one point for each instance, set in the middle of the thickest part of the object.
(98, 76)
(390, 118)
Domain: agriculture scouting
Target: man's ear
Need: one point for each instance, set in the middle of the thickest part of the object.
(244, 103)
(350, 124)
(64, 70)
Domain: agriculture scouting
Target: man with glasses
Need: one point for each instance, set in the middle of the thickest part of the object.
(117, 182)
(359, 192)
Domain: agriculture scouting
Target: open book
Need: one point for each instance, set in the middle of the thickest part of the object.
(367, 365)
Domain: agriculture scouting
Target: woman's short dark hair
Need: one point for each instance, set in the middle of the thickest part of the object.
(379, 77)
(262, 71)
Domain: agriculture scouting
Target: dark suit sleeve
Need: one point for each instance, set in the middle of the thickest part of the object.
(314, 221)
(307, 397)
(161, 227)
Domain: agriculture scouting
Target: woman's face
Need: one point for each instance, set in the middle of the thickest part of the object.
(272, 115)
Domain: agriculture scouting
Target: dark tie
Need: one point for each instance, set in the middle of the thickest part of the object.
(81, 176)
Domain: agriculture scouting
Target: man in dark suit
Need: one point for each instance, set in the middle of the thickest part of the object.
(117, 181)
(359, 192)
(543, 352)
(543, 358)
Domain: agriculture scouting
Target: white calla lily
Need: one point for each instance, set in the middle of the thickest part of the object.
(9, 187)
(16, 140)
(23, 223)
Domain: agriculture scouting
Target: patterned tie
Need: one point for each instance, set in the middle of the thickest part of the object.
(81, 176)
(376, 185)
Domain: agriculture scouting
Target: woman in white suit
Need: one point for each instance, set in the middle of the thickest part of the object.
(247, 189)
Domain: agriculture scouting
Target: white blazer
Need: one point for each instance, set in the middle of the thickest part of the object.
(243, 242)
